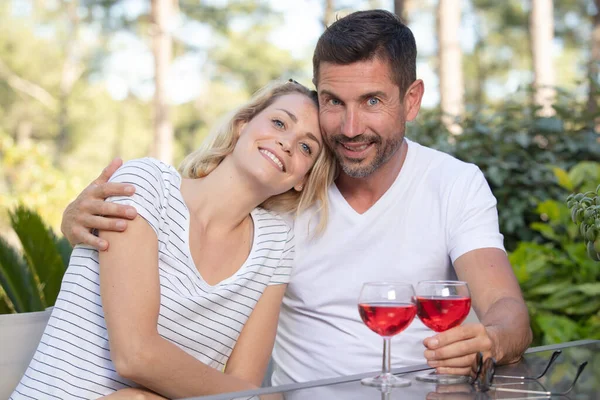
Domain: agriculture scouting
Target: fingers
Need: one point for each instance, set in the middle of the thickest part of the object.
(82, 235)
(458, 349)
(454, 351)
(453, 335)
(456, 362)
(88, 209)
(454, 371)
(105, 190)
(108, 171)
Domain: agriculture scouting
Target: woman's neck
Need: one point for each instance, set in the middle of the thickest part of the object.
(222, 200)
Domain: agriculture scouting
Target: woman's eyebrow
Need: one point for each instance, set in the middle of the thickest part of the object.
(313, 137)
(292, 116)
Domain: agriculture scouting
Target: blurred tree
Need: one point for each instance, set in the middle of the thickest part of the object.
(162, 17)
(594, 67)
(450, 63)
(400, 9)
(328, 12)
(541, 27)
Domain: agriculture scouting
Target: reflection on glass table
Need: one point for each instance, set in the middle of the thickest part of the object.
(559, 375)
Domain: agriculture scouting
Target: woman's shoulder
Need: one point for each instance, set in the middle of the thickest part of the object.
(147, 171)
(273, 218)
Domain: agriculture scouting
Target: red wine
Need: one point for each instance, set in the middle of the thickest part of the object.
(443, 313)
(387, 319)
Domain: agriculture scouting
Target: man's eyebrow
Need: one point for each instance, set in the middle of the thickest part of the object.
(377, 93)
(292, 116)
(327, 93)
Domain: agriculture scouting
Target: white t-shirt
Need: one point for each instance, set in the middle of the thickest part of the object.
(73, 359)
(437, 209)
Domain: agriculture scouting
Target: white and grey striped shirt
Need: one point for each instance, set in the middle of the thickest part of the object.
(73, 359)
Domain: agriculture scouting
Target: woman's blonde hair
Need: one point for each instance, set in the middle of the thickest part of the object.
(223, 139)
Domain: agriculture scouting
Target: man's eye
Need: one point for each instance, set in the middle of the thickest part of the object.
(335, 102)
(373, 101)
(306, 148)
(278, 123)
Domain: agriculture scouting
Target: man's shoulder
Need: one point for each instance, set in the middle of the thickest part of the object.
(439, 162)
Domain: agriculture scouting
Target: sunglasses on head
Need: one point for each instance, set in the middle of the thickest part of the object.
(485, 374)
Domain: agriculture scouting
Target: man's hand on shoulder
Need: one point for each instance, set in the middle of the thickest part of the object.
(90, 211)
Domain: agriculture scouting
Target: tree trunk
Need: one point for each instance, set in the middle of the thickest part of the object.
(402, 8)
(162, 47)
(450, 63)
(328, 13)
(594, 66)
(542, 34)
(71, 72)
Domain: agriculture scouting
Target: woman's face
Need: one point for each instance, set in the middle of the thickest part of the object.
(280, 145)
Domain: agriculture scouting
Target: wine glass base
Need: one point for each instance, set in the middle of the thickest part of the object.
(443, 379)
(385, 381)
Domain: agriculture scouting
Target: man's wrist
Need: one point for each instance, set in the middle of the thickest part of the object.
(496, 349)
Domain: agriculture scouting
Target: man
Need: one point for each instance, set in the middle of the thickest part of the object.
(399, 212)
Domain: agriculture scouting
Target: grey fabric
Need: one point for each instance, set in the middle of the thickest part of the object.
(19, 338)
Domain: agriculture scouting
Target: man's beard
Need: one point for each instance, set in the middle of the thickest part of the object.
(352, 166)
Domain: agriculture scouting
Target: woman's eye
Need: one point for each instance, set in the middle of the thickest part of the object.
(278, 123)
(306, 148)
(373, 101)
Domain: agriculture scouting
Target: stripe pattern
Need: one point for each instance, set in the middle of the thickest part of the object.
(73, 359)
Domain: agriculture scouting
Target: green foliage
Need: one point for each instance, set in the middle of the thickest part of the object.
(518, 153)
(585, 213)
(30, 278)
(560, 283)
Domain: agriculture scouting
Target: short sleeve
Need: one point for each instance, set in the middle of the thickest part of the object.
(284, 269)
(149, 197)
(473, 222)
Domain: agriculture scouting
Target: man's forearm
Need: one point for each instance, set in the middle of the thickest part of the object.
(507, 322)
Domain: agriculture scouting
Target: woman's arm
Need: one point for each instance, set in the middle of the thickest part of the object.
(252, 352)
(130, 290)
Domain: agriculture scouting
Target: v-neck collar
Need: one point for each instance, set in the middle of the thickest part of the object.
(383, 202)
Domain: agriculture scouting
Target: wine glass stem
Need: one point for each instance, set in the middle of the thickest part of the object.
(387, 344)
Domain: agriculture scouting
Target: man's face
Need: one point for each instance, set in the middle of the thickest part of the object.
(362, 116)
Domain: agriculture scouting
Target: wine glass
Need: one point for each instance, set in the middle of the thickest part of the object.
(442, 305)
(387, 308)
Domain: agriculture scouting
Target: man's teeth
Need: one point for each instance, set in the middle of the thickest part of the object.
(357, 148)
(272, 157)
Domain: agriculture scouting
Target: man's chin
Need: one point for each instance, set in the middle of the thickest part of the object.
(357, 169)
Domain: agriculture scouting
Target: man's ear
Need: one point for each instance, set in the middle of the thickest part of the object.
(412, 99)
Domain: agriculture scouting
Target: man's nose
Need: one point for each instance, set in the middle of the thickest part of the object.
(351, 125)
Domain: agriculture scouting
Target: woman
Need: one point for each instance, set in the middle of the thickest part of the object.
(185, 302)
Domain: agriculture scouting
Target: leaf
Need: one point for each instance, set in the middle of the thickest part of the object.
(557, 328)
(591, 289)
(562, 300)
(549, 288)
(17, 280)
(549, 125)
(546, 230)
(563, 178)
(584, 308)
(40, 251)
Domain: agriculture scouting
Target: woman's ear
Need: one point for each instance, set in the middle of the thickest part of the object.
(300, 185)
(240, 128)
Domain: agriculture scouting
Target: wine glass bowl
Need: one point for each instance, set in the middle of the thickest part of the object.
(442, 305)
(387, 308)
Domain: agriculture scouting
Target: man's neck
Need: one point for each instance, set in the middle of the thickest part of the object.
(362, 193)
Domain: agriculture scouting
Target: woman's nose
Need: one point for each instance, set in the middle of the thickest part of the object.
(285, 146)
